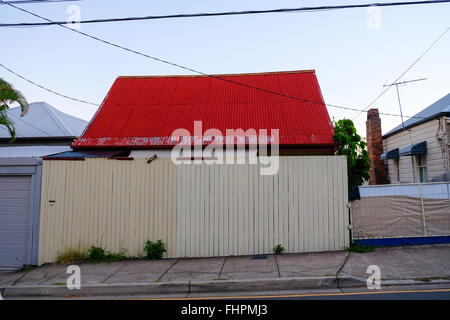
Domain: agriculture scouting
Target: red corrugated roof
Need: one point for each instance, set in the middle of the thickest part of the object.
(142, 112)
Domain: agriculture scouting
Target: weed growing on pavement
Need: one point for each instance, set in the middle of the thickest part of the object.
(356, 247)
(71, 255)
(154, 250)
(278, 249)
(98, 254)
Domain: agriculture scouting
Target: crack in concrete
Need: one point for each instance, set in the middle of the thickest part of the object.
(20, 277)
(115, 272)
(343, 264)
(340, 269)
(48, 279)
(167, 270)
(221, 269)
(278, 267)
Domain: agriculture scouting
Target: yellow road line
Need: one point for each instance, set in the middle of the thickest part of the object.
(303, 295)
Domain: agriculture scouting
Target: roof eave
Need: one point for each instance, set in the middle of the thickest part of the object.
(436, 116)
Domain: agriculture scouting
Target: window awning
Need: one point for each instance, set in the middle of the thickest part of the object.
(417, 148)
(391, 154)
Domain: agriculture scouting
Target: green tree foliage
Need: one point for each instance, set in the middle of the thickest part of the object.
(350, 145)
(10, 95)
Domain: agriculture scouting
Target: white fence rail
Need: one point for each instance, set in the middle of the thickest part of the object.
(438, 190)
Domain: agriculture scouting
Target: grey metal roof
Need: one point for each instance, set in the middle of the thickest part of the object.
(31, 151)
(440, 107)
(43, 121)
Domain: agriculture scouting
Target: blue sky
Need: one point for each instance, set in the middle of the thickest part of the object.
(352, 61)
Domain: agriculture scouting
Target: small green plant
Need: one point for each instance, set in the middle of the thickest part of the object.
(98, 254)
(154, 250)
(71, 255)
(356, 247)
(278, 249)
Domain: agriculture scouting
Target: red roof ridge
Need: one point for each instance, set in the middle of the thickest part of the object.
(217, 75)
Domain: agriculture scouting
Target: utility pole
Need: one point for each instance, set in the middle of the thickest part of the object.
(396, 84)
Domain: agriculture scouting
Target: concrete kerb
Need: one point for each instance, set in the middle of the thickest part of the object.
(270, 284)
(355, 282)
(98, 290)
(351, 282)
(186, 287)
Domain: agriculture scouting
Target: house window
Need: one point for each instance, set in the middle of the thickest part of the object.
(422, 166)
(397, 170)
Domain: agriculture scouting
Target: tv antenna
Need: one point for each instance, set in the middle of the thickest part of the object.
(396, 84)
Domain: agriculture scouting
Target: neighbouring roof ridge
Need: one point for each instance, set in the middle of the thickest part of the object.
(435, 109)
(44, 121)
(52, 113)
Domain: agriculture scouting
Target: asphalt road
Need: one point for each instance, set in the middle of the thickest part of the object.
(401, 293)
(442, 294)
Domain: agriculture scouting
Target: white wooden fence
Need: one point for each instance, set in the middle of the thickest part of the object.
(198, 210)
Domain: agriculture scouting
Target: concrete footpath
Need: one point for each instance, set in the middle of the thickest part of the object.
(326, 270)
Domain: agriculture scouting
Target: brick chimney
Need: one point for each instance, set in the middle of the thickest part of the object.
(375, 148)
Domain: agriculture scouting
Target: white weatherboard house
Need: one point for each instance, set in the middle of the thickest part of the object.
(418, 150)
(43, 131)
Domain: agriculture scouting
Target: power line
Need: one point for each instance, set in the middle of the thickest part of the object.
(230, 13)
(35, 1)
(46, 89)
(272, 92)
(268, 91)
(404, 72)
(188, 69)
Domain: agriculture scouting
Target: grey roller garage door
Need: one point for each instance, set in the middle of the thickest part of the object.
(15, 201)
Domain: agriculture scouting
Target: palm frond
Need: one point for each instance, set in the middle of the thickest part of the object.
(24, 106)
(4, 121)
(8, 95)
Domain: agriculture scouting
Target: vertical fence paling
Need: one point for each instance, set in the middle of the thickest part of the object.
(197, 210)
(422, 207)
